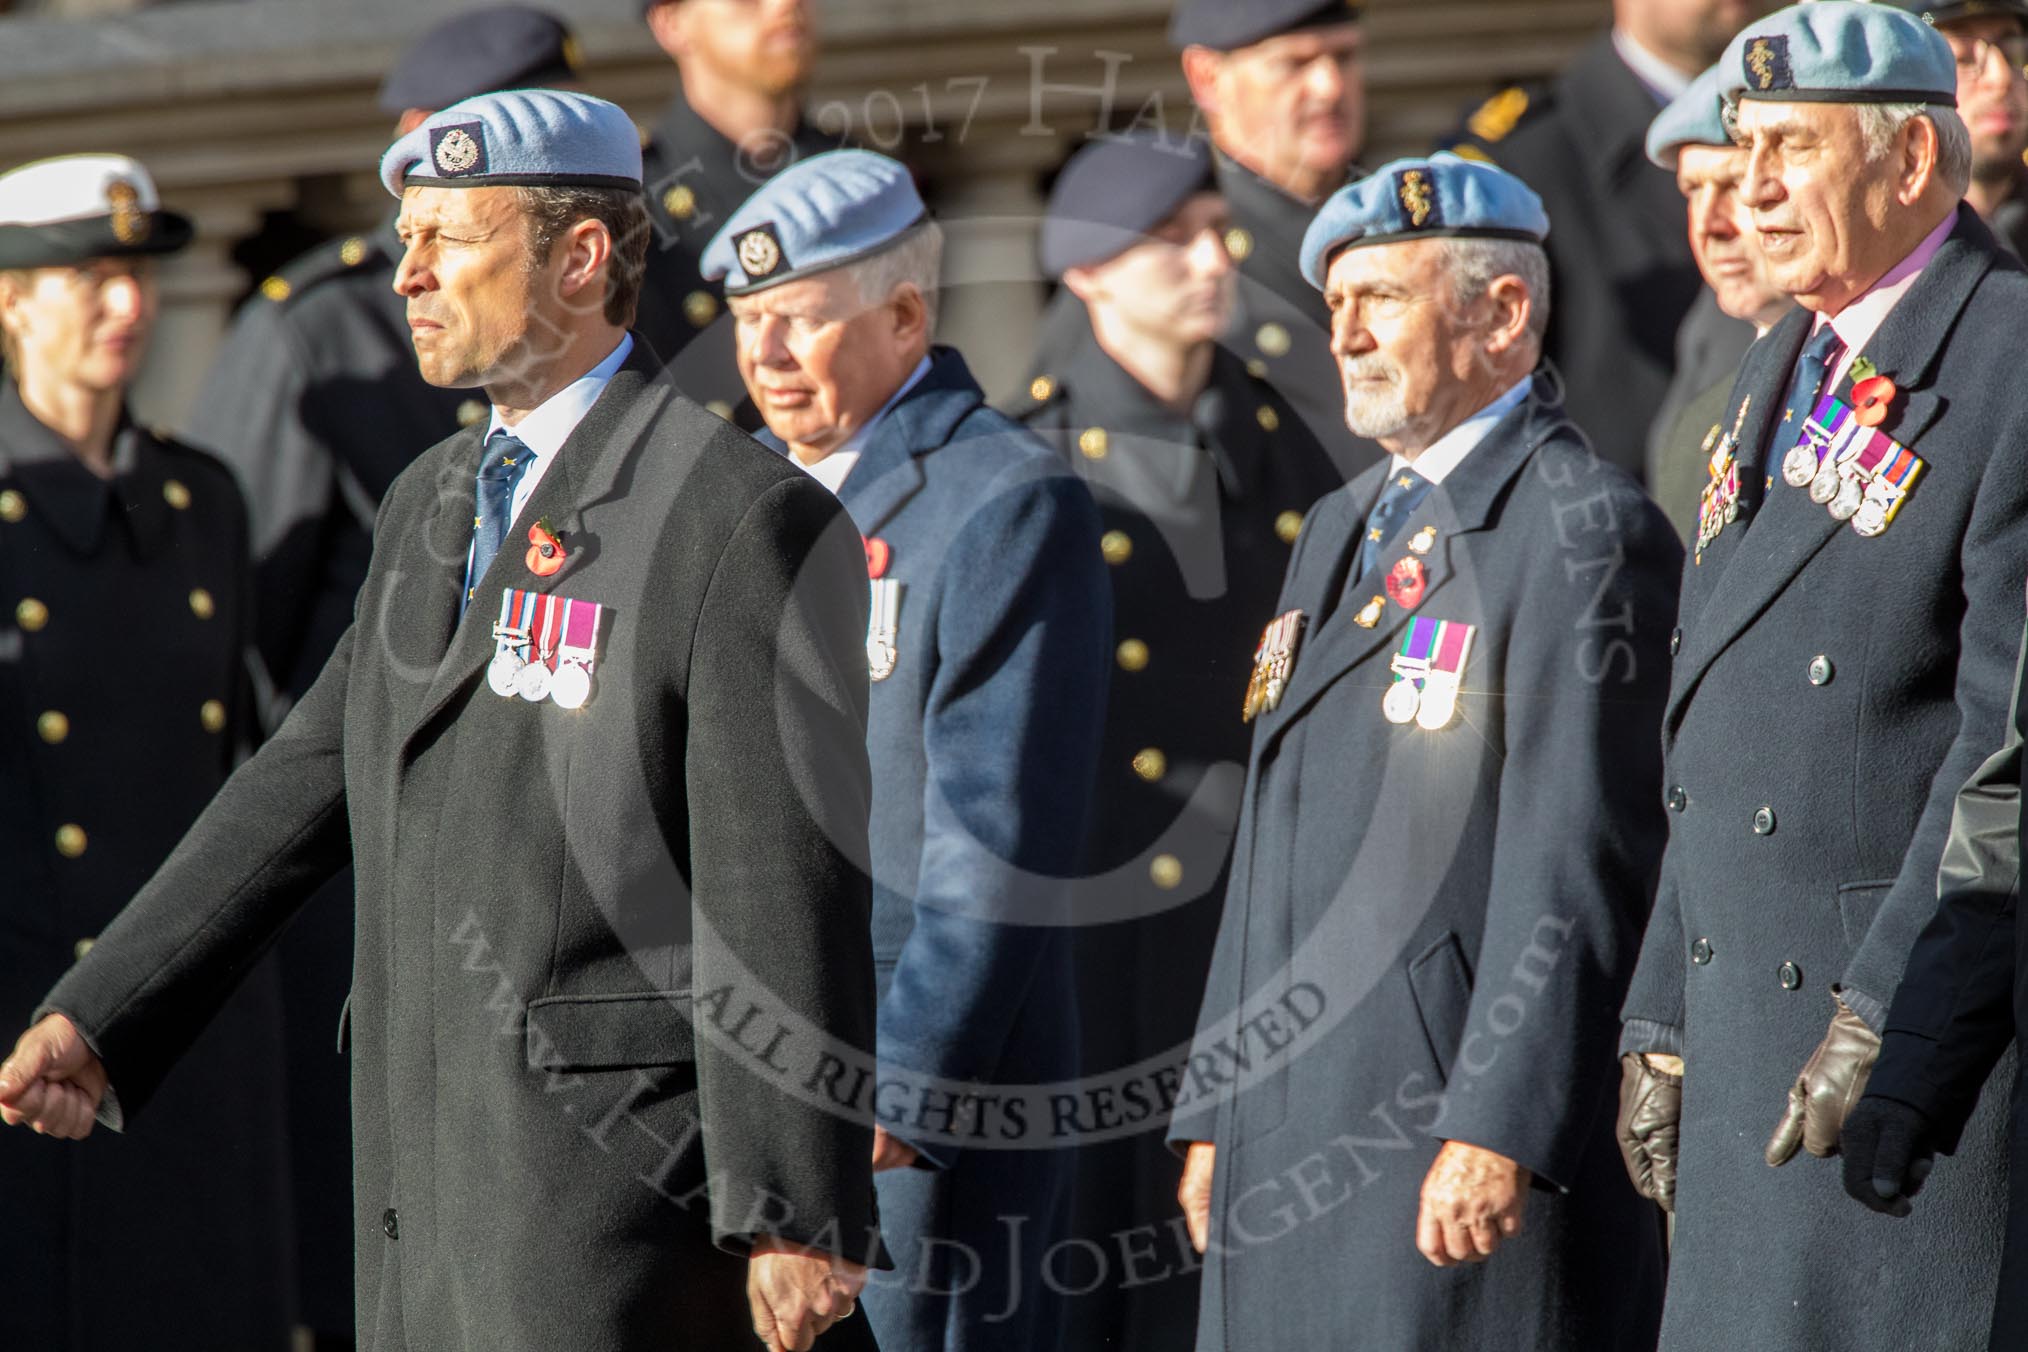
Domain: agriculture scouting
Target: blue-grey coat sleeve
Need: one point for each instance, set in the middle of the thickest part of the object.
(1953, 1016)
(1011, 732)
(1580, 832)
(1993, 558)
(1653, 1012)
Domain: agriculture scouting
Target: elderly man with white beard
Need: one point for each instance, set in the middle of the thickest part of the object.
(1451, 819)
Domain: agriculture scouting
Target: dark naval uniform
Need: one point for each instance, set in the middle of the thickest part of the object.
(1199, 510)
(124, 699)
(1831, 694)
(695, 178)
(559, 937)
(1426, 929)
(1623, 273)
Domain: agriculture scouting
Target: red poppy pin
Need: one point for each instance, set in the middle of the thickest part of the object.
(878, 556)
(1873, 394)
(545, 550)
(1405, 583)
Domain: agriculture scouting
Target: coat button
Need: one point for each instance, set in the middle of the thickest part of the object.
(1272, 340)
(1117, 546)
(1675, 642)
(1239, 244)
(201, 604)
(52, 727)
(1288, 526)
(1678, 800)
(1166, 871)
(1092, 442)
(176, 495)
(700, 308)
(12, 506)
(71, 840)
(1791, 976)
(680, 202)
(472, 412)
(82, 947)
(211, 717)
(1132, 655)
(1700, 952)
(1269, 420)
(1821, 671)
(31, 615)
(1040, 388)
(390, 1224)
(1764, 821)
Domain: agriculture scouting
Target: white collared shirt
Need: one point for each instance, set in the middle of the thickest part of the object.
(1858, 322)
(833, 468)
(550, 424)
(1449, 450)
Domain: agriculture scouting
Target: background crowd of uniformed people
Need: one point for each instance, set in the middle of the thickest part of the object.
(1445, 776)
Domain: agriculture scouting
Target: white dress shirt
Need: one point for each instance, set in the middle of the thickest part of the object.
(1450, 449)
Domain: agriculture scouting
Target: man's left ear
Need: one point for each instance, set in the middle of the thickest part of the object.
(1921, 155)
(1512, 307)
(590, 251)
(911, 313)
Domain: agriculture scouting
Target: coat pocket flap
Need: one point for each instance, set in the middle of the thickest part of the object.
(610, 1032)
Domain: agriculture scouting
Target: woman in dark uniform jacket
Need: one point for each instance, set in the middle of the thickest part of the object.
(123, 701)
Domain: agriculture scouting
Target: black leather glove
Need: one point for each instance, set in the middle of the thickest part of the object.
(1651, 1108)
(1830, 1084)
(1887, 1155)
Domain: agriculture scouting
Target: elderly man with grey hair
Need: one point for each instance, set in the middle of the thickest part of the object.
(1395, 1114)
(987, 651)
(1843, 665)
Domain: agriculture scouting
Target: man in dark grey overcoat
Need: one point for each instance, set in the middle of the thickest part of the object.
(594, 750)
(1847, 642)
(1397, 1108)
(987, 652)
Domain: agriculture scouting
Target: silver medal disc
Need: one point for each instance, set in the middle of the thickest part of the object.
(1438, 704)
(1824, 485)
(1401, 702)
(1850, 495)
(1799, 466)
(572, 686)
(532, 682)
(1871, 518)
(501, 671)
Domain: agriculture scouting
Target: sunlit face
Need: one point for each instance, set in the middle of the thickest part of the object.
(1177, 284)
(1992, 91)
(474, 303)
(86, 325)
(818, 361)
(1722, 237)
(1820, 209)
(766, 46)
(1399, 346)
(1295, 104)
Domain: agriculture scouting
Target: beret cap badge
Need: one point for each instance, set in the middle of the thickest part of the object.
(130, 224)
(760, 253)
(1418, 198)
(458, 150)
(1767, 63)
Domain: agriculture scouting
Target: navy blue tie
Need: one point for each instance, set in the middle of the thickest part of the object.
(1403, 494)
(507, 458)
(1819, 354)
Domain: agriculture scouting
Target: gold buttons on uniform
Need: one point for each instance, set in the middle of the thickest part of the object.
(52, 727)
(471, 413)
(31, 614)
(352, 252)
(1117, 546)
(1257, 368)
(82, 947)
(1288, 526)
(212, 715)
(680, 202)
(201, 604)
(175, 494)
(719, 407)
(1092, 441)
(1165, 871)
(1273, 340)
(1150, 764)
(1132, 655)
(275, 289)
(70, 840)
(12, 506)
(1238, 243)
(1041, 388)
(700, 308)
(1267, 417)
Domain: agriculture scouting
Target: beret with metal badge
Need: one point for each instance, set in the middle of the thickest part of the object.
(74, 208)
(1840, 51)
(819, 213)
(518, 138)
(1443, 196)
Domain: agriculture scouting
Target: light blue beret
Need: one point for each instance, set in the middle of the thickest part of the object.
(1840, 51)
(1696, 117)
(1443, 196)
(819, 213)
(534, 138)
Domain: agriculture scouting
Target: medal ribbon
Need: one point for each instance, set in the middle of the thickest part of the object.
(580, 630)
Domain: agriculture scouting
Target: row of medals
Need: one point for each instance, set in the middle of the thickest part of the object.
(1836, 481)
(511, 674)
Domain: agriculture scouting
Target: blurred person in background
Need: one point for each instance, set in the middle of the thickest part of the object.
(1989, 42)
